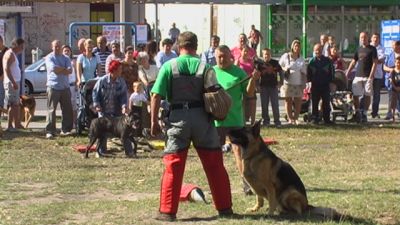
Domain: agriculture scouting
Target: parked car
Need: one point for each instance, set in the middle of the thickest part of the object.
(35, 77)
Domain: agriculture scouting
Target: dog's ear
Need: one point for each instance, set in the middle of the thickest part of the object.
(256, 128)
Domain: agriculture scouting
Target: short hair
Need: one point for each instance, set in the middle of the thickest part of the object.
(141, 56)
(187, 40)
(129, 48)
(377, 34)
(115, 43)
(398, 58)
(69, 47)
(88, 42)
(397, 43)
(167, 41)
(137, 84)
(16, 42)
(223, 48)
(266, 49)
(113, 66)
(215, 37)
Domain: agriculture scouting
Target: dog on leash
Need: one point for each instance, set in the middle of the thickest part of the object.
(27, 108)
(272, 178)
(123, 127)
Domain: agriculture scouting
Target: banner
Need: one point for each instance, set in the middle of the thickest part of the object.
(390, 32)
(141, 33)
(112, 32)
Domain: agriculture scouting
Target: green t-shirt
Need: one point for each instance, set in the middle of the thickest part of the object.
(227, 78)
(187, 64)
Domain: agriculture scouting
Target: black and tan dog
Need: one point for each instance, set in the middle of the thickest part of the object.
(123, 127)
(272, 178)
(27, 109)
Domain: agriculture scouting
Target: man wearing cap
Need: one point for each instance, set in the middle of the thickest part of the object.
(188, 122)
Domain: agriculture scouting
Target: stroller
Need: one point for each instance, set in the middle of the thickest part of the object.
(306, 104)
(341, 100)
(86, 112)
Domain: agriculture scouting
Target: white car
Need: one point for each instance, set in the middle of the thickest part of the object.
(35, 77)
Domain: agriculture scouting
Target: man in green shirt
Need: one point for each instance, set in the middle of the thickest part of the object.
(229, 75)
(180, 81)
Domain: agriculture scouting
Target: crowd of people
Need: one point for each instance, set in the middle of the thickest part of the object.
(174, 75)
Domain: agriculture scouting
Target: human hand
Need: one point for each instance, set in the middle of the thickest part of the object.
(256, 74)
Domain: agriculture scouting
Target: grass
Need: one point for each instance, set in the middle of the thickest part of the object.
(354, 169)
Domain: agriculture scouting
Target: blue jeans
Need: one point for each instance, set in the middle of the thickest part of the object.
(2, 94)
(268, 94)
(377, 84)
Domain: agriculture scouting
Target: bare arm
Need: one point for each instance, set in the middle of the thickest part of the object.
(154, 109)
(351, 66)
(251, 86)
(78, 73)
(7, 72)
(373, 69)
(387, 69)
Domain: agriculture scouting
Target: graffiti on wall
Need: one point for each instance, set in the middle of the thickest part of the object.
(50, 25)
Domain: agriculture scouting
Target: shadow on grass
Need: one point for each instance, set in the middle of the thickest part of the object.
(283, 218)
(343, 126)
(350, 190)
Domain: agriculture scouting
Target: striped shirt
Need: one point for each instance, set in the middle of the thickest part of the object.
(103, 57)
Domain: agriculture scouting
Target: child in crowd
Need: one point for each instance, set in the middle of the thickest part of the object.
(395, 76)
(138, 97)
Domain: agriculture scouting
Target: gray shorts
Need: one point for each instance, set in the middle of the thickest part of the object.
(11, 95)
(191, 126)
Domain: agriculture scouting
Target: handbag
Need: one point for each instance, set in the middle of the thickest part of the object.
(217, 101)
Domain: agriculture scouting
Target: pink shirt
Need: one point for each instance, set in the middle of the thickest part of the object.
(236, 52)
(248, 67)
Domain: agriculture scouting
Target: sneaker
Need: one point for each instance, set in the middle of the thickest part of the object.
(165, 217)
(364, 118)
(11, 130)
(49, 136)
(67, 133)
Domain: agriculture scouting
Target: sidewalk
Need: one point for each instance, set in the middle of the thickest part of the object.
(41, 112)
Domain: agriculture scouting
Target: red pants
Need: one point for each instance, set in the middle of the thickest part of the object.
(217, 177)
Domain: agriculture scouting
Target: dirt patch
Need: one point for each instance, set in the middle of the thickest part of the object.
(387, 219)
(103, 195)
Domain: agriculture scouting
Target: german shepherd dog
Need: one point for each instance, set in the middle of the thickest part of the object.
(124, 127)
(27, 108)
(272, 178)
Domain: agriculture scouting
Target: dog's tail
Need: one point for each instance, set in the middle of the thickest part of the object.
(328, 213)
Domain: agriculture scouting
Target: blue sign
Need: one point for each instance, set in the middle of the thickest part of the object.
(390, 32)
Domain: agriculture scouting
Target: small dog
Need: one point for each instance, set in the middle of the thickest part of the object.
(272, 178)
(124, 127)
(27, 109)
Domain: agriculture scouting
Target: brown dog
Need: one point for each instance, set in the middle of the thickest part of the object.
(272, 178)
(27, 107)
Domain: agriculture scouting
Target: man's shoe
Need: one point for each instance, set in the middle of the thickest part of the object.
(49, 136)
(64, 134)
(225, 213)
(165, 217)
(12, 130)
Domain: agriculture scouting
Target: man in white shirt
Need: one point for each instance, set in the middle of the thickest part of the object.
(12, 78)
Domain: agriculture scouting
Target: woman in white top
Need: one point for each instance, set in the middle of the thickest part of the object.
(67, 51)
(116, 54)
(294, 82)
(147, 73)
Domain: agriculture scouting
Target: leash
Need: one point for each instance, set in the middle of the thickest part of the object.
(241, 81)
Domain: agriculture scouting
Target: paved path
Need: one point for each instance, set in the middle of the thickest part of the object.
(41, 111)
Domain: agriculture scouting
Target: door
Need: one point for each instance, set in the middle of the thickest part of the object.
(100, 13)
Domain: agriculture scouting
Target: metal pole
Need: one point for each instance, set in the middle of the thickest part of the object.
(156, 35)
(304, 40)
(269, 21)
